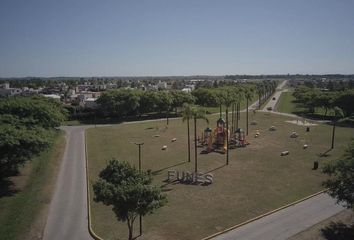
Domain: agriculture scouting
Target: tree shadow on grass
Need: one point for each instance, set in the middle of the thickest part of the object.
(325, 154)
(7, 188)
(217, 168)
(162, 169)
(338, 231)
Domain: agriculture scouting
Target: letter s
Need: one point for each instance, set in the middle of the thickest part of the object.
(209, 178)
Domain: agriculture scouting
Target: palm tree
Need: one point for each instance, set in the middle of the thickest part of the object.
(220, 100)
(248, 95)
(186, 116)
(260, 91)
(233, 108)
(229, 98)
(197, 113)
(338, 114)
(238, 98)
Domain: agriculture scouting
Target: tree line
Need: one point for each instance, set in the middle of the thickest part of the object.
(127, 102)
(312, 98)
(130, 102)
(27, 127)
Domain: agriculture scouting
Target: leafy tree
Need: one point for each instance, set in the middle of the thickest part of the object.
(164, 102)
(179, 98)
(42, 111)
(128, 191)
(148, 101)
(341, 182)
(120, 102)
(345, 101)
(206, 97)
(20, 140)
(26, 129)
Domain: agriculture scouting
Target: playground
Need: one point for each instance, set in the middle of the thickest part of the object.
(258, 179)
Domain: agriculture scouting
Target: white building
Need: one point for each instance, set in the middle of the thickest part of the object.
(90, 103)
(53, 96)
(162, 85)
(5, 90)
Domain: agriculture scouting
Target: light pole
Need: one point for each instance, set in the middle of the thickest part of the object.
(140, 218)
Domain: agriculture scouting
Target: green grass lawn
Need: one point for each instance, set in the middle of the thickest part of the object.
(286, 104)
(256, 181)
(23, 212)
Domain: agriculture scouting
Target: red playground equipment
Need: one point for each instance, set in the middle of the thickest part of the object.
(216, 140)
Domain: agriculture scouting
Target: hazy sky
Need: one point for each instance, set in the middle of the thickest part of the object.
(175, 37)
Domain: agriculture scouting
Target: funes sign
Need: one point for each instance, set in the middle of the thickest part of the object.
(188, 177)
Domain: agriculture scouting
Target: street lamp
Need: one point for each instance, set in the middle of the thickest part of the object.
(140, 218)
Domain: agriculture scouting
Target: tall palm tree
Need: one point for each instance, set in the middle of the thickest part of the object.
(229, 98)
(237, 99)
(260, 91)
(248, 95)
(233, 108)
(338, 114)
(186, 116)
(197, 113)
(220, 100)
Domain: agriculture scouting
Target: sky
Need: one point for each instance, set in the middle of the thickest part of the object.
(175, 37)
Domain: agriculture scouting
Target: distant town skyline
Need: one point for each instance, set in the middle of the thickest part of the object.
(175, 38)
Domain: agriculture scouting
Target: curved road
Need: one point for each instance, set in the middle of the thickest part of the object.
(287, 222)
(67, 217)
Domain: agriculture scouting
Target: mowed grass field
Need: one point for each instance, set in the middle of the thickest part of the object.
(256, 181)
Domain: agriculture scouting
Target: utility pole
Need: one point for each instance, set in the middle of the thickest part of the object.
(140, 217)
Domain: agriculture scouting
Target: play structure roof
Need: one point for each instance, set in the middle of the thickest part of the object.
(221, 120)
(239, 130)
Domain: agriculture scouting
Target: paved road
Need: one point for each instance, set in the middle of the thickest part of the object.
(272, 103)
(67, 217)
(287, 222)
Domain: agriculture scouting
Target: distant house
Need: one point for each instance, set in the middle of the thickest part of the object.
(162, 85)
(52, 96)
(111, 86)
(5, 90)
(191, 86)
(187, 90)
(90, 103)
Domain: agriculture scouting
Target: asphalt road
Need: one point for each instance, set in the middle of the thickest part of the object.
(67, 217)
(287, 222)
(272, 103)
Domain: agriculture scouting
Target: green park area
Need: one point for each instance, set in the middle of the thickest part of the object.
(258, 179)
(287, 103)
